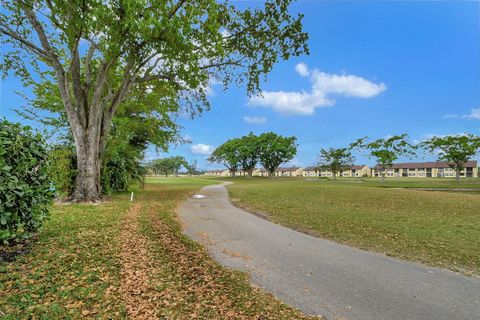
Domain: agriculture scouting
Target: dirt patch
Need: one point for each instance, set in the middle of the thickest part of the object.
(137, 294)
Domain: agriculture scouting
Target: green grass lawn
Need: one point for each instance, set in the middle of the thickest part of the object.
(469, 183)
(103, 261)
(433, 227)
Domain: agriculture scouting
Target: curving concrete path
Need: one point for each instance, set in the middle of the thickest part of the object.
(321, 277)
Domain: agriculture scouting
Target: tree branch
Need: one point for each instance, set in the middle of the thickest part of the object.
(41, 35)
(12, 34)
(88, 61)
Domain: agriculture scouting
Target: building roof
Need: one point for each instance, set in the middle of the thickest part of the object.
(358, 166)
(215, 171)
(427, 165)
(288, 169)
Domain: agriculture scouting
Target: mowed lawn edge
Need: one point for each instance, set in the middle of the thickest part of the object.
(78, 269)
(436, 228)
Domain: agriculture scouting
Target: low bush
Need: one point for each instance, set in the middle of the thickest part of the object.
(25, 187)
(63, 170)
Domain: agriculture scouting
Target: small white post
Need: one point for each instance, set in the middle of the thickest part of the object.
(131, 197)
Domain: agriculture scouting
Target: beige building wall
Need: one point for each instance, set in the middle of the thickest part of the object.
(446, 172)
(355, 172)
(289, 172)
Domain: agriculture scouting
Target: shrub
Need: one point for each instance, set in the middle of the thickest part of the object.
(63, 169)
(25, 190)
(121, 173)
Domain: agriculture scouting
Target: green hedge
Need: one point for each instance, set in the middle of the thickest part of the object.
(25, 188)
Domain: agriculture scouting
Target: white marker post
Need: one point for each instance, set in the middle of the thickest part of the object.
(131, 197)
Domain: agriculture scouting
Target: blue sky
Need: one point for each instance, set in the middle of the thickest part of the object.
(375, 69)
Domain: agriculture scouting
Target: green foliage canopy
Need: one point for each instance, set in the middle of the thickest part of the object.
(336, 160)
(228, 155)
(456, 150)
(275, 150)
(386, 150)
(248, 152)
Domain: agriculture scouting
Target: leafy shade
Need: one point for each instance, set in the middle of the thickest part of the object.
(25, 190)
(456, 150)
(336, 160)
(275, 150)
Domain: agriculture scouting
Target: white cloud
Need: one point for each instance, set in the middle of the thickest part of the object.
(473, 115)
(323, 85)
(255, 120)
(302, 69)
(209, 89)
(203, 149)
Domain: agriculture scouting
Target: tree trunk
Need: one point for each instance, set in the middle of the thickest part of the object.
(271, 174)
(457, 175)
(334, 176)
(383, 175)
(250, 173)
(89, 164)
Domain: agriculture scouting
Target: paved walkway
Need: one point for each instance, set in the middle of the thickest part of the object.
(322, 277)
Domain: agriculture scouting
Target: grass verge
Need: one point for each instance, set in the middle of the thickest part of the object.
(437, 228)
(118, 260)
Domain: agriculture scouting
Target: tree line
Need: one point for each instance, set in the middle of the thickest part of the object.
(271, 150)
(172, 165)
(456, 150)
(244, 153)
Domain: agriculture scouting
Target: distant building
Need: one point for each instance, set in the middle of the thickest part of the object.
(223, 173)
(312, 171)
(438, 169)
(289, 172)
(361, 170)
(260, 172)
(354, 171)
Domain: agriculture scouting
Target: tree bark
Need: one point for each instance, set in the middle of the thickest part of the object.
(250, 173)
(87, 182)
(457, 175)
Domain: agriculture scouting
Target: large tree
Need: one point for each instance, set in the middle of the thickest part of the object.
(386, 150)
(98, 52)
(177, 163)
(191, 167)
(336, 160)
(274, 150)
(248, 151)
(228, 155)
(165, 166)
(456, 150)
